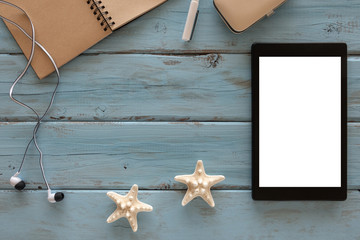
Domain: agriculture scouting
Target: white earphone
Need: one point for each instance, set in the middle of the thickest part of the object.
(191, 20)
(16, 181)
(19, 184)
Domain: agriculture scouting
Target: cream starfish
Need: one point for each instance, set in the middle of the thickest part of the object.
(128, 206)
(199, 184)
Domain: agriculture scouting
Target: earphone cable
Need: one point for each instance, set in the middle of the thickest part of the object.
(27, 65)
(39, 119)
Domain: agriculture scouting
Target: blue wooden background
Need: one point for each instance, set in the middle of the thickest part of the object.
(143, 106)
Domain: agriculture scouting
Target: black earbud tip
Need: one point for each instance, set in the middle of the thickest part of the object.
(20, 185)
(59, 196)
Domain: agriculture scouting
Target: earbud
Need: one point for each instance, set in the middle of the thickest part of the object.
(16, 182)
(55, 197)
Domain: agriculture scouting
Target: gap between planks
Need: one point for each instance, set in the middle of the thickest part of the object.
(168, 53)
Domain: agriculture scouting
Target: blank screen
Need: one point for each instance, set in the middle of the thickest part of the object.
(300, 121)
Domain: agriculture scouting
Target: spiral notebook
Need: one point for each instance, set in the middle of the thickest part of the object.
(66, 28)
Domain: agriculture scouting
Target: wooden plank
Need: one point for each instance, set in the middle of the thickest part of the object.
(132, 87)
(296, 21)
(82, 215)
(135, 88)
(108, 155)
(116, 155)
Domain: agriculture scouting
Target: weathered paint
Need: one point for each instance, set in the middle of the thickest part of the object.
(124, 115)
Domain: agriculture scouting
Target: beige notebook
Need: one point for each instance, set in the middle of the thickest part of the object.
(67, 28)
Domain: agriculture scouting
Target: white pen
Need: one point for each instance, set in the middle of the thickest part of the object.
(191, 20)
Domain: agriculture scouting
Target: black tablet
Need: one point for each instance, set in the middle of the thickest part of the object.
(299, 114)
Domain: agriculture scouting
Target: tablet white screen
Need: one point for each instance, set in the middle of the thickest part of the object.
(300, 121)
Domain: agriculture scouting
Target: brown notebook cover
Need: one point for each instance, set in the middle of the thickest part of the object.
(66, 28)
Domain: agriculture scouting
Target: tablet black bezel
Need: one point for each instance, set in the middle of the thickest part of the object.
(298, 193)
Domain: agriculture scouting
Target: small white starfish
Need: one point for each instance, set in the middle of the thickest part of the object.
(128, 206)
(199, 184)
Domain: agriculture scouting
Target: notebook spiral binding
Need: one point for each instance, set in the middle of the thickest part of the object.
(101, 15)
